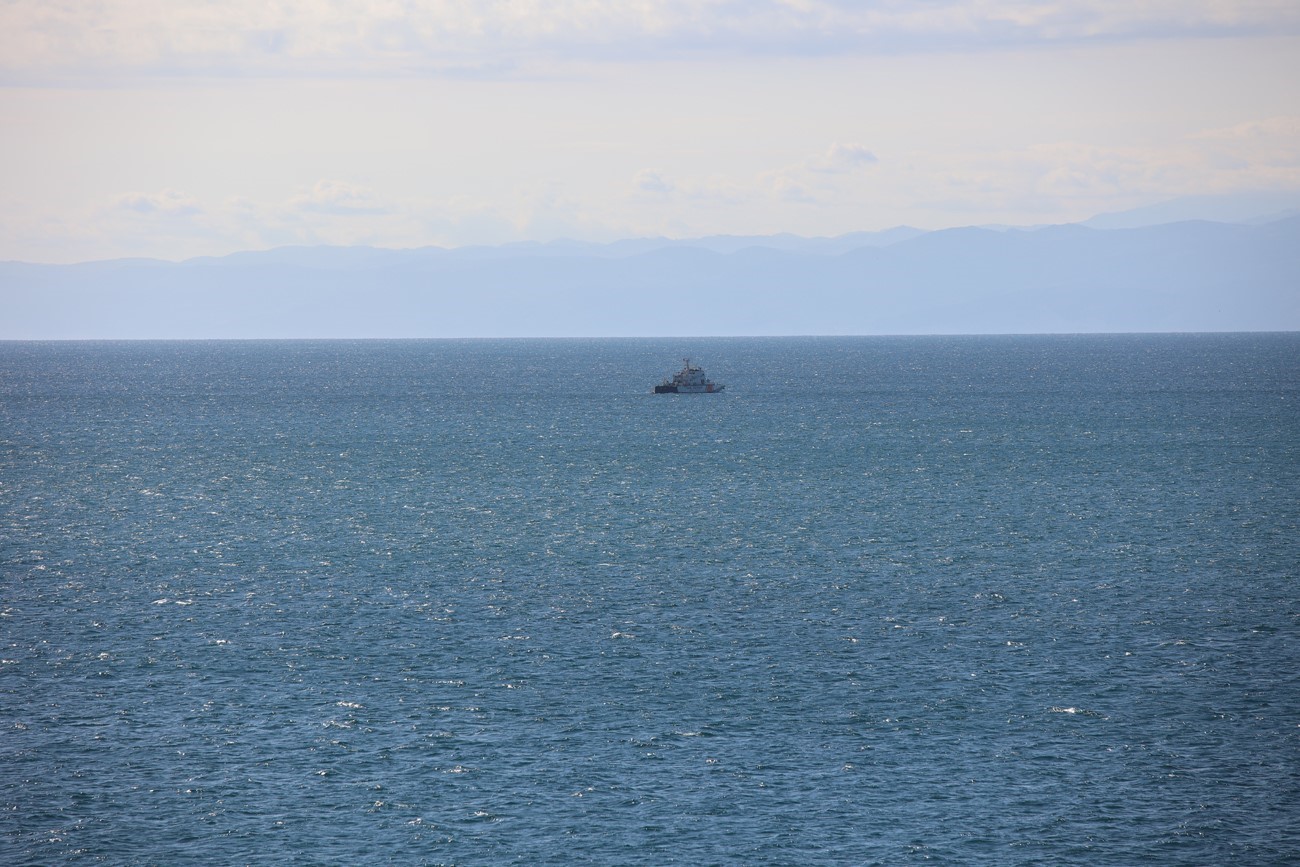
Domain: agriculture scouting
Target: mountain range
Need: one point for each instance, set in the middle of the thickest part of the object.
(1183, 276)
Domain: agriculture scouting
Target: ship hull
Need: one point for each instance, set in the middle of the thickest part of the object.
(688, 389)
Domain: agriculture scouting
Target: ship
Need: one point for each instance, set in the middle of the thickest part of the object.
(689, 380)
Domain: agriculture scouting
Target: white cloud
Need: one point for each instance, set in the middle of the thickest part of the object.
(171, 224)
(174, 225)
(732, 145)
(60, 38)
(845, 187)
(842, 159)
(1271, 144)
(652, 182)
(792, 191)
(338, 198)
(1070, 180)
(168, 203)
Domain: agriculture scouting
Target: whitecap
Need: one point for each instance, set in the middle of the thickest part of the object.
(1076, 711)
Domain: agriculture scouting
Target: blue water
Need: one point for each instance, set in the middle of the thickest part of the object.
(998, 600)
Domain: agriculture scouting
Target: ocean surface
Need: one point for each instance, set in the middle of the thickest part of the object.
(977, 600)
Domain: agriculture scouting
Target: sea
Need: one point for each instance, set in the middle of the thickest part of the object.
(884, 600)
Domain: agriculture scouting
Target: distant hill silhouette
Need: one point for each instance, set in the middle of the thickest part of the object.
(1258, 207)
(1186, 276)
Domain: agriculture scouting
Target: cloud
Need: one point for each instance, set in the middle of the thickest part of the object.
(842, 159)
(819, 179)
(338, 198)
(168, 203)
(1069, 180)
(793, 192)
(652, 182)
(1273, 141)
(822, 179)
(79, 38)
(172, 224)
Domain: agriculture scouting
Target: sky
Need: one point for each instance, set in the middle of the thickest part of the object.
(178, 128)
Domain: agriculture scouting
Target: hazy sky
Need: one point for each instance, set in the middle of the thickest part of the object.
(173, 128)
